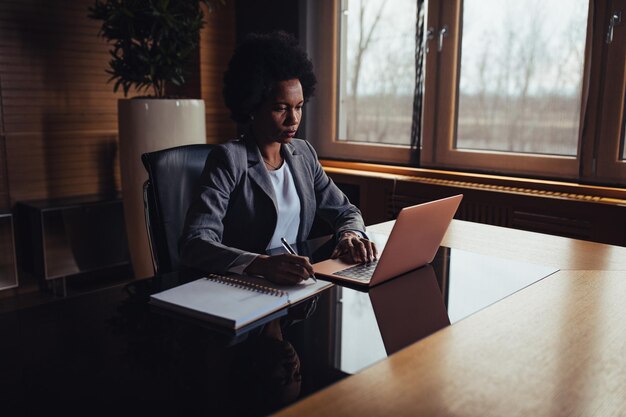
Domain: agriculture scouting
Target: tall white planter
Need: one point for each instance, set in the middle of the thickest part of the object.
(147, 125)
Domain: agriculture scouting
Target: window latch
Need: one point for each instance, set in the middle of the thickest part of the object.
(443, 33)
(616, 19)
(430, 34)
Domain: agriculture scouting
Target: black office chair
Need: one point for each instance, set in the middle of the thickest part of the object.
(173, 176)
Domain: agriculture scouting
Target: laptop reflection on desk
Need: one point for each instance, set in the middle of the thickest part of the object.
(406, 309)
(412, 243)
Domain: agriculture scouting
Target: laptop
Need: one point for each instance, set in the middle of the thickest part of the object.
(413, 242)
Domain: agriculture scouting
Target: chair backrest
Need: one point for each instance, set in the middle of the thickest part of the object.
(173, 176)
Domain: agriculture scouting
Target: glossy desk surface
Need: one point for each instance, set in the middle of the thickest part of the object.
(554, 347)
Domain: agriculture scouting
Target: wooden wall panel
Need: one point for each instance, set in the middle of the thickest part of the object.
(4, 182)
(58, 115)
(54, 165)
(217, 45)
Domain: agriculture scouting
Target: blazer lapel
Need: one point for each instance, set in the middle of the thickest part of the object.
(297, 164)
(258, 173)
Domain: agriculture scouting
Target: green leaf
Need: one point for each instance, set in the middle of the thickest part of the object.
(151, 40)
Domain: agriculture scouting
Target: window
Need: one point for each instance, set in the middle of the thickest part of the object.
(526, 87)
(377, 80)
(521, 76)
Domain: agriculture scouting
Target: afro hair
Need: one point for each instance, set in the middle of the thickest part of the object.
(258, 63)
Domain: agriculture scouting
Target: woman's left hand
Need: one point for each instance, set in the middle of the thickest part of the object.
(358, 249)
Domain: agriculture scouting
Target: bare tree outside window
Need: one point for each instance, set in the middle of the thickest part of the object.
(377, 92)
(521, 75)
(520, 78)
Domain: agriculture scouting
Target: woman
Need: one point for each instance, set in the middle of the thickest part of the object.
(267, 185)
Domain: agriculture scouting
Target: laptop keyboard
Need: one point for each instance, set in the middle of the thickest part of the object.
(362, 272)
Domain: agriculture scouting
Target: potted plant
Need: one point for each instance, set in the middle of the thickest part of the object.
(152, 43)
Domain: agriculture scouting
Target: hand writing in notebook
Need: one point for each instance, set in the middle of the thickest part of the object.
(292, 251)
(284, 269)
(356, 248)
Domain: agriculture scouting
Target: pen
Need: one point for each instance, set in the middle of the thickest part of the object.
(287, 246)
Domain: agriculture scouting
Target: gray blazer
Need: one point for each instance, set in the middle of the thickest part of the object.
(235, 209)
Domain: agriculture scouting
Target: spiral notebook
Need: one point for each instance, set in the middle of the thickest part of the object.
(234, 301)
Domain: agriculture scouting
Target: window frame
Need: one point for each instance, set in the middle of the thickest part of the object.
(598, 159)
(607, 163)
(322, 111)
(442, 71)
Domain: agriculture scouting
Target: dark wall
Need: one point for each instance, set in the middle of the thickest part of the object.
(266, 16)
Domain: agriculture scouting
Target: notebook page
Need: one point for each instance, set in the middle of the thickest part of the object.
(220, 303)
(294, 292)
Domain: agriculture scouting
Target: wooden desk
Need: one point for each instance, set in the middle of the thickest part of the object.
(557, 348)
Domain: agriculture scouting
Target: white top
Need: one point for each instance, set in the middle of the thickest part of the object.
(288, 220)
(288, 205)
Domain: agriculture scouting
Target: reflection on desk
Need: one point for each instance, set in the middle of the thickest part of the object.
(387, 318)
(110, 348)
(390, 316)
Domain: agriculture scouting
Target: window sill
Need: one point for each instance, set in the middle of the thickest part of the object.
(496, 183)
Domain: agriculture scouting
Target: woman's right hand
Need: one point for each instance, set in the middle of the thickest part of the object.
(284, 269)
